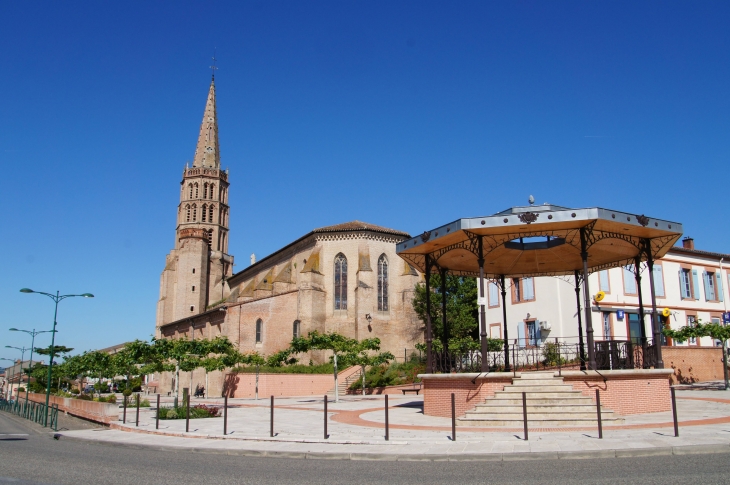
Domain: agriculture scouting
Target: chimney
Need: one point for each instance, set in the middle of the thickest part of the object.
(688, 243)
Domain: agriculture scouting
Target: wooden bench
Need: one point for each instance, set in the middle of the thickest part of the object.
(413, 389)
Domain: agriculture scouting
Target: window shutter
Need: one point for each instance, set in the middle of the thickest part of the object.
(658, 281)
(538, 334)
(603, 280)
(719, 289)
(629, 280)
(695, 285)
(706, 284)
(528, 288)
(521, 334)
(682, 284)
(493, 294)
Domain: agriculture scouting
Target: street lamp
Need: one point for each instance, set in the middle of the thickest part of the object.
(56, 298)
(6, 374)
(32, 333)
(22, 357)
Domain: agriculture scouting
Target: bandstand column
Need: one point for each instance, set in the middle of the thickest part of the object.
(587, 301)
(429, 334)
(581, 344)
(654, 323)
(482, 311)
(642, 323)
(444, 322)
(507, 367)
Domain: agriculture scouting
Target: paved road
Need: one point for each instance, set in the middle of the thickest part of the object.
(39, 459)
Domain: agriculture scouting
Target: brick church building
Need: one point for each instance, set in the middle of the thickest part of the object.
(344, 278)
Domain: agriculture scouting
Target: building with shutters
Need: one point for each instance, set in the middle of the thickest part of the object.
(691, 283)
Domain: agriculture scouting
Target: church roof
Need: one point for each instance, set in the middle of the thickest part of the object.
(207, 152)
(360, 226)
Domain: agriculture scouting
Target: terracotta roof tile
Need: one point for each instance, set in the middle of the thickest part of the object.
(360, 226)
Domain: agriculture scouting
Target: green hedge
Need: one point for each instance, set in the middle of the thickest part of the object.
(290, 369)
(391, 375)
(196, 412)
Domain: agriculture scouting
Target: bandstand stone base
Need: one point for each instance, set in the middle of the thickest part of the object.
(635, 391)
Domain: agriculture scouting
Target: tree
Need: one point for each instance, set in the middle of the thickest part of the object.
(57, 350)
(364, 359)
(462, 311)
(351, 350)
(699, 329)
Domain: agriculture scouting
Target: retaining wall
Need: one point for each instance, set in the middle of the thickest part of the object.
(693, 364)
(100, 412)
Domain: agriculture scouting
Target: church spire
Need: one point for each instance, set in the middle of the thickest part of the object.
(207, 153)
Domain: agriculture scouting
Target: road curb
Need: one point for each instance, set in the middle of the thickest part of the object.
(360, 456)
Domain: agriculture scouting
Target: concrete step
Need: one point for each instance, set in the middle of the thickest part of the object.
(507, 394)
(490, 407)
(537, 415)
(535, 423)
(537, 375)
(517, 401)
(539, 388)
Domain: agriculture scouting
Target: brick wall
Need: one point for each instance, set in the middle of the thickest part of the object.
(279, 385)
(693, 364)
(437, 392)
(625, 392)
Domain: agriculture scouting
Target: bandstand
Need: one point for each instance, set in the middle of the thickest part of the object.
(545, 240)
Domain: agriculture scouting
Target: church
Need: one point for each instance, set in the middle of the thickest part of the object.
(344, 278)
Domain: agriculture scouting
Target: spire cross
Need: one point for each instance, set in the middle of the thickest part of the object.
(213, 67)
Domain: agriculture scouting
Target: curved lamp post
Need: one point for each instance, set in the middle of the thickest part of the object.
(32, 333)
(6, 374)
(56, 298)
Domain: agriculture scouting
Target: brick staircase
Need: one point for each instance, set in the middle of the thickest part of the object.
(550, 403)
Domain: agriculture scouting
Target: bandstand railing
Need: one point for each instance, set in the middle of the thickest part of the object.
(555, 355)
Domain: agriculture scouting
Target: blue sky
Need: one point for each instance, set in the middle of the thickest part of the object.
(403, 114)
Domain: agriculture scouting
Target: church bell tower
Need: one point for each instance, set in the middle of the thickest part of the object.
(197, 268)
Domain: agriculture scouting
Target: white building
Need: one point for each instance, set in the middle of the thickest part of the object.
(690, 283)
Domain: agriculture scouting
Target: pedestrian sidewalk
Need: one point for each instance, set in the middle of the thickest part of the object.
(356, 430)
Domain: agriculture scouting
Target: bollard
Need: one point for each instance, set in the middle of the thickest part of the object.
(137, 419)
(157, 418)
(387, 431)
(124, 415)
(674, 413)
(325, 417)
(225, 415)
(453, 417)
(524, 412)
(187, 413)
(598, 412)
(271, 428)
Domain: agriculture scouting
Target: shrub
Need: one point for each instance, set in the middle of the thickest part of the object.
(199, 411)
(101, 387)
(551, 354)
(84, 397)
(111, 398)
(75, 391)
(290, 369)
(390, 375)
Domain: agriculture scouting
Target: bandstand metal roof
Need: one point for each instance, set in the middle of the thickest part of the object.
(541, 240)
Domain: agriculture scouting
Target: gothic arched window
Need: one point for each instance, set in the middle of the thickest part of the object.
(212, 191)
(210, 213)
(196, 190)
(383, 283)
(340, 282)
(187, 211)
(205, 190)
(204, 213)
(296, 329)
(195, 213)
(259, 331)
(190, 186)
(210, 237)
